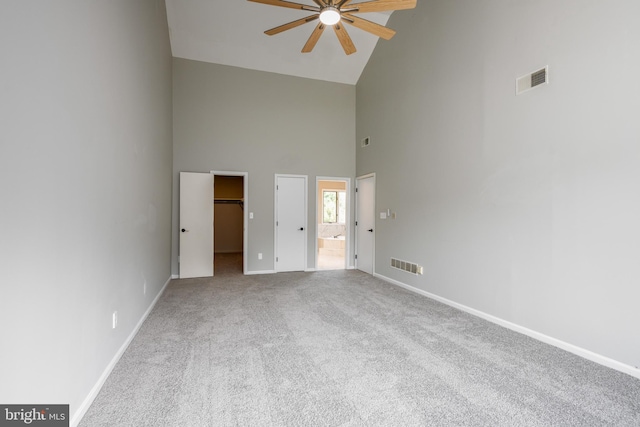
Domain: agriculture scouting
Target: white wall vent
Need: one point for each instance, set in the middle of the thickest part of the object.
(407, 266)
(365, 141)
(531, 80)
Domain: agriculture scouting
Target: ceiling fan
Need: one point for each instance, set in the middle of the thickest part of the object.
(333, 13)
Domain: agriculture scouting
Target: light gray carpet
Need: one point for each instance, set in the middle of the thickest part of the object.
(340, 348)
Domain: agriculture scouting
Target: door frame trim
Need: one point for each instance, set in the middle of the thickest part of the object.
(347, 243)
(245, 212)
(275, 217)
(373, 244)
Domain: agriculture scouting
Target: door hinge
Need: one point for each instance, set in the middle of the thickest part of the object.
(276, 223)
(356, 189)
(356, 256)
(276, 259)
(356, 223)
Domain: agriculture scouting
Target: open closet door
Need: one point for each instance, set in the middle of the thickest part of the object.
(196, 225)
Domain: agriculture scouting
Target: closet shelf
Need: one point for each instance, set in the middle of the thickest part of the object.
(229, 201)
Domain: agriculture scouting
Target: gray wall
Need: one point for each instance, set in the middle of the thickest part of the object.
(524, 207)
(85, 185)
(233, 119)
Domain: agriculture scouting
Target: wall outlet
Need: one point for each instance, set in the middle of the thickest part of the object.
(260, 255)
(250, 215)
(114, 320)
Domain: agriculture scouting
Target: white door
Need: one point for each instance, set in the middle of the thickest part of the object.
(196, 225)
(291, 223)
(365, 223)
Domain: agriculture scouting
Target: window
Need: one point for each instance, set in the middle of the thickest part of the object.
(334, 207)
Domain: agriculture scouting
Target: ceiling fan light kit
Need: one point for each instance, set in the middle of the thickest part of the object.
(333, 14)
(330, 15)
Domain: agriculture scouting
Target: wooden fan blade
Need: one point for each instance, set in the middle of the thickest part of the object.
(313, 39)
(291, 25)
(379, 6)
(372, 27)
(345, 40)
(342, 3)
(288, 4)
(320, 3)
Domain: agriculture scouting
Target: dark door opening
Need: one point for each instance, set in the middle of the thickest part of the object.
(228, 224)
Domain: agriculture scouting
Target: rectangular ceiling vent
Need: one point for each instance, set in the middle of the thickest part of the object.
(531, 80)
(365, 142)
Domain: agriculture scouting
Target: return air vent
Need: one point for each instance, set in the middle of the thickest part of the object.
(539, 77)
(531, 80)
(365, 142)
(407, 266)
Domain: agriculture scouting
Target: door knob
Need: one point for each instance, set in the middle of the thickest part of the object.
(301, 228)
(370, 230)
(184, 230)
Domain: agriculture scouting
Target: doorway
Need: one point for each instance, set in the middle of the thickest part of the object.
(229, 190)
(332, 223)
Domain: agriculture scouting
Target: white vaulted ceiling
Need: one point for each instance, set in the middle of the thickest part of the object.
(231, 33)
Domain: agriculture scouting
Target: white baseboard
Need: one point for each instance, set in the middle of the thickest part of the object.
(579, 351)
(79, 413)
(309, 270)
(260, 272)
(175, 276)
